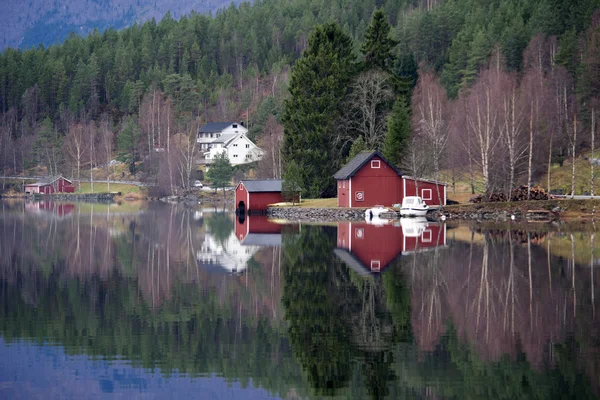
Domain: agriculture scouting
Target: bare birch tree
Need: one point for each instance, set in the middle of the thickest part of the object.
(482, 122)
(368, 106)
(430, 119)
(76, 147)
(106, 144)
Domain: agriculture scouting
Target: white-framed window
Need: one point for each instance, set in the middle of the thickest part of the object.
(375, 265)
(375, 164)
(359, 233)
(235, 145)
(359, 196)
(234, 125)
(426, 236)
(426, 194)
(235, 156)
(247, 146)
(343, 184)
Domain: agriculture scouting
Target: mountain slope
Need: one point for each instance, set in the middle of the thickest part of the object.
(25, 24)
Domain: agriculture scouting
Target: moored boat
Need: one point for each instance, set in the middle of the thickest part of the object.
(413, 206)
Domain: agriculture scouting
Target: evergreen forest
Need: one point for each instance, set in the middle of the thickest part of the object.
(493, 92)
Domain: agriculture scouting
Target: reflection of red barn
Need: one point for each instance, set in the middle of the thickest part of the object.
(54, 184)
(51, 208)
(256, 195)
(369, 179)
(371, 248)
(257, 230)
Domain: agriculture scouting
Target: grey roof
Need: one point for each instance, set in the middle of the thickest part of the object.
(48, 180)
(358, 161)
(262, 239)
(212, 127)
(263, 185)
(226, 137)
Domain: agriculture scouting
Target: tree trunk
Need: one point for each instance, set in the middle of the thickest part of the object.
(592, 158)
(573, 155)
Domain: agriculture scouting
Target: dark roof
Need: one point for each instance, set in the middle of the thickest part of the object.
(48, 180)
(263, 185)
(216, 126)
(352, 167)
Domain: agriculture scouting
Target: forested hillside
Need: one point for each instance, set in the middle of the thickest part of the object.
(504, 88)
(26, 24)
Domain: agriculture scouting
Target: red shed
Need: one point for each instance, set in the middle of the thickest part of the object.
(370, 248)
(49, 185)
(369, 180)
(253, 196)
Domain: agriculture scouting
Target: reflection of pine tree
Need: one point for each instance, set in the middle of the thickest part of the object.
(318, 336)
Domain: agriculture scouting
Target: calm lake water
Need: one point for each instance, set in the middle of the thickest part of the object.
(167, 301)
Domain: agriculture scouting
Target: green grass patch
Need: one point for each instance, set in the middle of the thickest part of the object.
(99, 187)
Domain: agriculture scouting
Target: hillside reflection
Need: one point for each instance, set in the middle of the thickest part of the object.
(421, 310)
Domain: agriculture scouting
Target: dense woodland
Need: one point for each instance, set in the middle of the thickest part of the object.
(492, 92)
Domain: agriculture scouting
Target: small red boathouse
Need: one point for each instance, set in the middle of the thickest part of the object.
(49, 185)
(253, 196)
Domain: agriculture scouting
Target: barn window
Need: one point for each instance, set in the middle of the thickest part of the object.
(426, 236)
(375, 164)
(375, 265)
(426, 194)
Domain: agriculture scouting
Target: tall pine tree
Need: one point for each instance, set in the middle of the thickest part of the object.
(318, 86)
(396, 140)
(378, 45)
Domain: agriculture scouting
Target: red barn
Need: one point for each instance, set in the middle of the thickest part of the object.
(369, 180)
(253, 196)
(370, 248)
(49, 185)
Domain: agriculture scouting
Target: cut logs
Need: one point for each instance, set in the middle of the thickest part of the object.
(518, 194)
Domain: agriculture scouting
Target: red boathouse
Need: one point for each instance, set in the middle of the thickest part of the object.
(369, 180)
(53, 184)
(253, 196)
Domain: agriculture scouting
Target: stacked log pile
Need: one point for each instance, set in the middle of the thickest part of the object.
(518, 194)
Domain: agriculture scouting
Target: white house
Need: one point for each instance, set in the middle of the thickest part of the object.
(230, 137)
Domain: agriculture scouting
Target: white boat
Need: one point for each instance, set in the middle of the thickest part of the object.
(413, 227)
(413, 206)
(375, 212)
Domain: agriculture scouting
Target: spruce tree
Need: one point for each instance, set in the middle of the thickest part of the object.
(396, 140)
(318, 86)
(220, 172)
(377, 47)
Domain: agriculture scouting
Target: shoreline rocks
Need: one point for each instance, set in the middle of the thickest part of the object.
(85, 197)
(316, 214)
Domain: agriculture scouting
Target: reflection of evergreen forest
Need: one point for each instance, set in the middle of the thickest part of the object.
(493, 318)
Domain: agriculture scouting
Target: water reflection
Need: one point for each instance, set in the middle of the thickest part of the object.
(351, 310)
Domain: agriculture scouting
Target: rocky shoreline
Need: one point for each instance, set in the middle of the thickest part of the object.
(475, 213)
(85, 197)
(316, 214)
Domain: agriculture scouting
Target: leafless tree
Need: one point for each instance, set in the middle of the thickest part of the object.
(368, 106)
(271, 141)
(511, 118)
(76, 147)
(430, 120)
(482, 122)
(106, 144)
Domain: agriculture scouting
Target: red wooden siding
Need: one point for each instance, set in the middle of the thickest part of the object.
(427, 190)
(256, 201)
(343, 193)
(372, 186)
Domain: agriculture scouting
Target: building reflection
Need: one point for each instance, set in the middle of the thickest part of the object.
(49, 208)
(371, 248)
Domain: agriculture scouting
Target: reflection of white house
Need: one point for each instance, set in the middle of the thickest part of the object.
(229, 137)
(230, 255)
